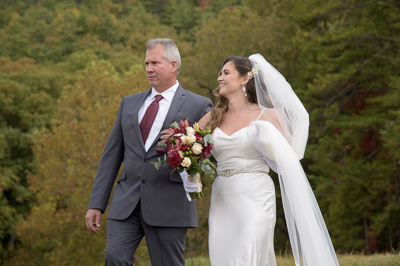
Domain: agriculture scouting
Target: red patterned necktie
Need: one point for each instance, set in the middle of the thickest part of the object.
(149, 116)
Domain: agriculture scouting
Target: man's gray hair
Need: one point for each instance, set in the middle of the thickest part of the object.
(171, 51)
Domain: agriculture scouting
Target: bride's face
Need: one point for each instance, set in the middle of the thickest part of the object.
(229, 80)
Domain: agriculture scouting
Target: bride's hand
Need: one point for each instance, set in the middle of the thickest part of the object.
(166, 133)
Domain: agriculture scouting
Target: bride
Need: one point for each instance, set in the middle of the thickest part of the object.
(259, 124)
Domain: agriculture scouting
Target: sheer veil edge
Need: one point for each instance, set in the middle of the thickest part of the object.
(309, 237)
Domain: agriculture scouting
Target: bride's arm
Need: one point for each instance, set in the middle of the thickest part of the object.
(204, 120)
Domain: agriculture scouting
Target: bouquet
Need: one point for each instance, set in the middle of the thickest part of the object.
(189, 148)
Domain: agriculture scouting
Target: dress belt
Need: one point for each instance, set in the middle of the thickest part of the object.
(229, 173)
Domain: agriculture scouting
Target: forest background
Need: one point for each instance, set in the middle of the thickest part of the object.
(65, 65)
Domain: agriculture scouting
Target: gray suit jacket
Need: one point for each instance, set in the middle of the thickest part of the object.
(161, 193)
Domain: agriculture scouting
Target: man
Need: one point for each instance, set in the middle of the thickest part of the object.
(146, 202)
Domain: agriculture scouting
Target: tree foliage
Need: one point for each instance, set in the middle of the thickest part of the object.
(68, 155)
(25, 104)
(348, 69)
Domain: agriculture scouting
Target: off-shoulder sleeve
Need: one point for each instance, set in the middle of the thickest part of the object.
(309, 237)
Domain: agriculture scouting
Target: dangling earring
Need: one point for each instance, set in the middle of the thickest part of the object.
(244, 90)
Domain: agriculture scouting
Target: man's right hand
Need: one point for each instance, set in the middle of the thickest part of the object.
(93, 220)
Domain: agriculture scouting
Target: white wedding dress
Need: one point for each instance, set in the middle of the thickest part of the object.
(242, 212)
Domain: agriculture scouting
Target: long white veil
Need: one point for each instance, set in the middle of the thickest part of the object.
(309, 237)
(273, 91)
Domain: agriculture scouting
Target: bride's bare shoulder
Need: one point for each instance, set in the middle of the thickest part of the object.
(271, 116)
(204, 120)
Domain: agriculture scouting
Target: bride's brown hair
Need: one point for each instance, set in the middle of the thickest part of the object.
(243, 66)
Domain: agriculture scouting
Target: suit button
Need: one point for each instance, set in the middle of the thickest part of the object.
(146, 160)
(144, 181)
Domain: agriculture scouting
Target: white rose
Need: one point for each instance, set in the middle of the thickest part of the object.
(191, 138)
(186, 162)
(197, 148)
(189, 130)
(184, 140)
(180, 154)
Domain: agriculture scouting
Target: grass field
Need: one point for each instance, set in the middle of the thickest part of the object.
(344, 260)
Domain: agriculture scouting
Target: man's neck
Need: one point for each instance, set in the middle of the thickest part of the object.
(161, 90)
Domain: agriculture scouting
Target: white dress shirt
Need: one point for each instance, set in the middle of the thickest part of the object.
(164, 105)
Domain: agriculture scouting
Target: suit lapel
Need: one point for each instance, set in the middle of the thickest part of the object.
(175, 106)
(135, 118)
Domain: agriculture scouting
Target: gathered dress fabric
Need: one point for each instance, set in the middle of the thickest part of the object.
(243, 210)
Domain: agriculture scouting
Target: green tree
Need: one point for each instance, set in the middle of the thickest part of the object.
(25, 106)
(183, 16)
(54, 233)
(347, 68)
(232, 32)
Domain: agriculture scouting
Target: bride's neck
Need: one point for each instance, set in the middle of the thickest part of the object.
(238, 105)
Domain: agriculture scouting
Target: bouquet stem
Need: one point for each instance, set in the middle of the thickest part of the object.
(198, 194)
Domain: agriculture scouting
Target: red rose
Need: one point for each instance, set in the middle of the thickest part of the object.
(174, 159)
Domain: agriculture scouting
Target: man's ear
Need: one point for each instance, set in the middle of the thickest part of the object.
(174, 65)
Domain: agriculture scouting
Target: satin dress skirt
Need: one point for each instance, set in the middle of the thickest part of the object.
(241, 220)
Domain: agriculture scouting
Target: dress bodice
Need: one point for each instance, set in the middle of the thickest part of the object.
(236, 152)
(242, 210)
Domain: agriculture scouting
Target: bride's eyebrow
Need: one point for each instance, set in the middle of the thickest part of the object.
(225, 70)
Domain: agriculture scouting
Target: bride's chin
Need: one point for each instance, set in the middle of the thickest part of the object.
(221, 93)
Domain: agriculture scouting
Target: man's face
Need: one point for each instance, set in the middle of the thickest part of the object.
(160, 73)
